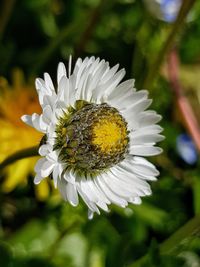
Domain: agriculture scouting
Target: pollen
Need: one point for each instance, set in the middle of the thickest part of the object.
(109, 134)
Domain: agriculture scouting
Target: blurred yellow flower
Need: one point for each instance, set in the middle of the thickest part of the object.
(16, 100)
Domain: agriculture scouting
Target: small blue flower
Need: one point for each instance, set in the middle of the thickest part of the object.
(166, 10)
(186, 149)
(170, 9)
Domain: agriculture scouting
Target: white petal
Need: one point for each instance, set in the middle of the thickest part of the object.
(61, 72)
(69, 65)
(85, 93)
(136, 200)
(97, 75)
(91, 73)
(128, 99)
(139, 169)
(151, 129)
(27, 119)
(145, 138)
(41, 86)
(49, 100)
(87, 190)
(137, 107)
(142, 150)
(38, 165)
(48, 82)
(72, 195)
(104, 196)
(110, 73)
(62, 188)
(147, 171)
(92, 206)
(64, 91)
(47, 168)
(70, 177)
(109, 193)
(44, 149)
(142, 166)
(47, 114)
(77, 66)
(53, 156)
(94, 194)
(130, 182)
(38, 178)
(41, 123)
(90, 214)
(114, 81)
(99, 193)
(121, 89)
(36, 121)
(81, 71)
(118, 186)
(56, 175)
(148, 118)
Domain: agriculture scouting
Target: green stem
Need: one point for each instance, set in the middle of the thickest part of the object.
(24, 153)
(153, 68)
(181, 236)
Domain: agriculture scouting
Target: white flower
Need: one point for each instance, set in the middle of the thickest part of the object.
(96, 132)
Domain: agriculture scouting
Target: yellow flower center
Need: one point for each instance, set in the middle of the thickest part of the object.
(109, 134)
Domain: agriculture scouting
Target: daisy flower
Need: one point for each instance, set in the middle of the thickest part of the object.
(96, 132)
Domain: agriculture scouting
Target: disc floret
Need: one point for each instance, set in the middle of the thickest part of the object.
(91, 137)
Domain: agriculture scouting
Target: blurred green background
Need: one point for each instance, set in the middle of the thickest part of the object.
(37, 228)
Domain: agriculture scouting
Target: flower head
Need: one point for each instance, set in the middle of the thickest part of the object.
(96, 132)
